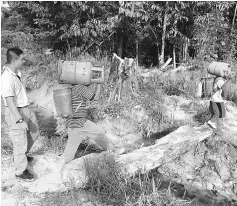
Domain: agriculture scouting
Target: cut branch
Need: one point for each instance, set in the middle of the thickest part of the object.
(234, 18)
(166, 64)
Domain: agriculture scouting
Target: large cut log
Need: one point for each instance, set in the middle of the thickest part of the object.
(160, 71)
(165, 150)
(144, 159)
(178, 69)
(168, 73)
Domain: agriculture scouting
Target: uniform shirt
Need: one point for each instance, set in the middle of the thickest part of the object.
(80, 96)
(13, 87)
(218, 84)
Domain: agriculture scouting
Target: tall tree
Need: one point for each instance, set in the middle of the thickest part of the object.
(163, 34)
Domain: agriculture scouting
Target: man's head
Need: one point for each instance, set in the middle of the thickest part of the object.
(15, 58)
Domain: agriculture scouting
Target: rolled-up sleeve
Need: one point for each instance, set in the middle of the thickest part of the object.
(7, 87)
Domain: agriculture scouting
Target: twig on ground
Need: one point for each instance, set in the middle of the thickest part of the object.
(86, 149)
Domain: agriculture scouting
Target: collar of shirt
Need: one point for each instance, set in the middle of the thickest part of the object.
(9, 70)
(13, 73)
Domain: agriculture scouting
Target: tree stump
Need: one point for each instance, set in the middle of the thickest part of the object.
(122, 72)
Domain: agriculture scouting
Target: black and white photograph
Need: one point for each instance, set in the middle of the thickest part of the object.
(118, 103)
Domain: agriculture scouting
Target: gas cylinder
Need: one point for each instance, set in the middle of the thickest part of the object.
(63, 101)
(220, 69)
(230, 90)
(75, 72)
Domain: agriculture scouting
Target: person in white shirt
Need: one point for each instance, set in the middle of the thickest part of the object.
(22, 123)
(217, 106)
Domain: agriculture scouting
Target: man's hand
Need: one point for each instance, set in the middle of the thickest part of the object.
(65, 115)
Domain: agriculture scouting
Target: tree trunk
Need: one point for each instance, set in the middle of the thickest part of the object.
(163, 37)
(184, 54)
(120, 45)
(113, 46)
(186, 49)
(158, 55)
(174, 59)
(115, 43)
(137, 52)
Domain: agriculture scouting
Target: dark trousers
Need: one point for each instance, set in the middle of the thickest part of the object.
(217, 110)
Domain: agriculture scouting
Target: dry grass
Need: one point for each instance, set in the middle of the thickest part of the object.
(113, 187)
(74, 197)
(55, 145)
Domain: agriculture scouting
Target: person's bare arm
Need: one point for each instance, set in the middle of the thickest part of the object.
(219, 85)
(13, 108)
(97, 92)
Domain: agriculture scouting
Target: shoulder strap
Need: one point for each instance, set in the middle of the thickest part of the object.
(213, 89)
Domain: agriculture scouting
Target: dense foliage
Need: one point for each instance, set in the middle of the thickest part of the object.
(149, 31)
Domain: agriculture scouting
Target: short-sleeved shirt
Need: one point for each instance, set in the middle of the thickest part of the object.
(218, 84)
(80, 96)
(13, 87)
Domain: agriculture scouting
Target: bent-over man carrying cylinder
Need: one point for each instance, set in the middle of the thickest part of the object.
(80, 127)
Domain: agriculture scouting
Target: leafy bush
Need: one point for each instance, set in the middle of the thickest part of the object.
(21, 40)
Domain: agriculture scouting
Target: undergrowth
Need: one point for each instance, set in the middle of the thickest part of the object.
(6, 144)
(116, 188)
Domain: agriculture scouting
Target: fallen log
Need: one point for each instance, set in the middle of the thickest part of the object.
(158, 71)
(144, 159)
(162, 71)
(166, 64)
(178, 69)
